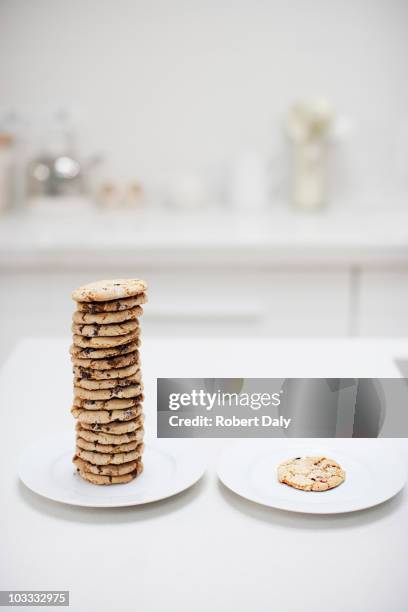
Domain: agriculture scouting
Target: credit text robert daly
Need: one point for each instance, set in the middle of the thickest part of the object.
(220, 399)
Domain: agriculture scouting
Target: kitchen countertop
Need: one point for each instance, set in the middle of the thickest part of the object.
(284, 237)
(205, 548)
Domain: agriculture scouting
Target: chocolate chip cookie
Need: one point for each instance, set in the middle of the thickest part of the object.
(107, 290)
(311, 473)
(106, 318)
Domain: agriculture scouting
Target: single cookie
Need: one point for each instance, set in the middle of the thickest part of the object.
(115, 373)
(106, 318)
(122, 361)
(109, 438)
(101, 342)
(106, 480)
(94, 385)
(104, 341)
(112, 404)
(106, 470)
(115, 351)
(106, 394)
(311, 473)
(106, 448)
(105, 416)
(116, 427)
(108, 458)
(106, 290)
(104, 331)
(110, 480)
(113, 305)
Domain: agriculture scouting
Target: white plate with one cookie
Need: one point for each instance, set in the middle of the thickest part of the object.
(170, 467)
(374, 473)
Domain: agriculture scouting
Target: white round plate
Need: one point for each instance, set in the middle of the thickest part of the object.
(374, 473)
(170, 466)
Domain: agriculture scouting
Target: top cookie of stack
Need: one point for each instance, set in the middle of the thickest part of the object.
(107, 380)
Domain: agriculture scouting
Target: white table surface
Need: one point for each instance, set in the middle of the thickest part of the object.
(205, 549)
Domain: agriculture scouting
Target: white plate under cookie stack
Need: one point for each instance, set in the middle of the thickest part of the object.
(108, 389)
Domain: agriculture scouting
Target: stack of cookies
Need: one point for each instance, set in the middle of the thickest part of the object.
(108, 390)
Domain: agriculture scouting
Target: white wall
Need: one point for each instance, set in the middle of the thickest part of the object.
(162, 86)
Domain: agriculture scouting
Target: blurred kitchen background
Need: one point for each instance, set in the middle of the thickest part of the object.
(248, 158)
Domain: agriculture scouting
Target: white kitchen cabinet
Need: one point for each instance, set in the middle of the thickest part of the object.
(258, 302)
(212, 274)
(383, 303)
(210, 302)
(307, 303)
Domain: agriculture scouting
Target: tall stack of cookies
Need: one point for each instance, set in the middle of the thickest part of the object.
(108, 389)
